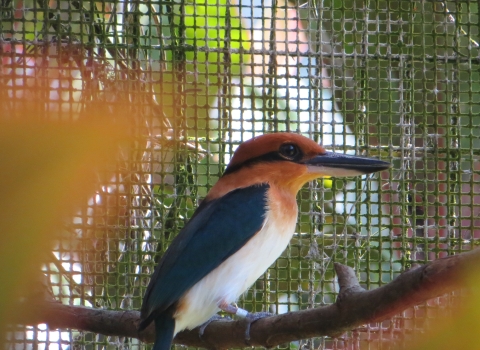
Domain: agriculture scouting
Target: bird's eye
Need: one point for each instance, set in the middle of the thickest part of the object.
(289, 151)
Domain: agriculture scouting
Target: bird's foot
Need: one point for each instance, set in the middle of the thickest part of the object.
(202, 328)
(251, 318)
(248, 316)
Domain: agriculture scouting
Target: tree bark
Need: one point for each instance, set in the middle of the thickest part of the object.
(354, 307)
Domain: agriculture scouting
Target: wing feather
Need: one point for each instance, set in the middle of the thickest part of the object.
(218, 229)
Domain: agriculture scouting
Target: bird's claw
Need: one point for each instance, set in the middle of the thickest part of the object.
(202, 328)
(251, 318)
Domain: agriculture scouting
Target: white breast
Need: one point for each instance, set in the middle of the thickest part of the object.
(236, 274)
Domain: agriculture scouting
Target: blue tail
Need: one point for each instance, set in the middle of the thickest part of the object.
(164, 328)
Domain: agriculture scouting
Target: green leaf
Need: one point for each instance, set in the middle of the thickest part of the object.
(211, 24)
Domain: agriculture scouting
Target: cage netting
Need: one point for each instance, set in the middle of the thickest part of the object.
(396, 80)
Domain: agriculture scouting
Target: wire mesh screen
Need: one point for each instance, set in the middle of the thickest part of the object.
(397, 80)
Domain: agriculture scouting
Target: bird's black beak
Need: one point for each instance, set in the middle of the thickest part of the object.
(339, 165)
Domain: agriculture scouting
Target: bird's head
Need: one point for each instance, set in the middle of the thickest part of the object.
(290, 160)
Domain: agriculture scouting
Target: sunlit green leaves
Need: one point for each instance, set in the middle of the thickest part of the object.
(212, 25)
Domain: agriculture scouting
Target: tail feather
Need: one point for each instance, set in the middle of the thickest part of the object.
(164, 328)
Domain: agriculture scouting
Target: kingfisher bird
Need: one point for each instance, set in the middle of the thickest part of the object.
(241, 227)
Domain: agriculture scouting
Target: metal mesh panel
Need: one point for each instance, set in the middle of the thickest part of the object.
(397, 80)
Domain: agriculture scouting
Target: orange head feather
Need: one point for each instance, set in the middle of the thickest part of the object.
(288, 161)
(261, 145)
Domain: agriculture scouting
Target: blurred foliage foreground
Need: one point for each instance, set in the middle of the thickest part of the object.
(48, 169)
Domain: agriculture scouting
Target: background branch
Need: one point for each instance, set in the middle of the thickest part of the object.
(354, 307)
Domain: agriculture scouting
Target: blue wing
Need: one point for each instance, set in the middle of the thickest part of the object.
(217, 230)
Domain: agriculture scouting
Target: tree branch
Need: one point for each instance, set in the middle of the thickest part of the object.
(354, 307)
